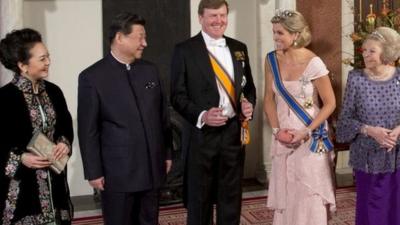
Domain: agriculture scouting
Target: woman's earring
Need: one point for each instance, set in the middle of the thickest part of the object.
(295, 43)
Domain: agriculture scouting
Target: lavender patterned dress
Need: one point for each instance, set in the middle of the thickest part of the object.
(373, 103)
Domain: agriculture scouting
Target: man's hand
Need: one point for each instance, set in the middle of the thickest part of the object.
(97, 183)
(168, 165)
(214, 118)
(247, 109)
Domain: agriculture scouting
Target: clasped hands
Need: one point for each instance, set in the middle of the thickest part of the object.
(31, 160)
(292, 138)
(215, 117)
(385, 137)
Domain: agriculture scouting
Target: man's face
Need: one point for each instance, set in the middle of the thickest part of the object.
(214, 21)
(134, 43)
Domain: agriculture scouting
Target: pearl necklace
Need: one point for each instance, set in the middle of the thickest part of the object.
(386, 75)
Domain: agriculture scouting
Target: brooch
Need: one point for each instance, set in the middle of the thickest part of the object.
(308, 103)
(239, 55)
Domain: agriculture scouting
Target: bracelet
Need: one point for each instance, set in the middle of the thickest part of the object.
(364, 130)
(309, 132)
(23, 156)
(275, 130)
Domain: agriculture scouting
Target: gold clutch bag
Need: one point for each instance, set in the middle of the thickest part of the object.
(40, 145)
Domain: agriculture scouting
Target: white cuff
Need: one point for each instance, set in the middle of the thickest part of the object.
(200, 123)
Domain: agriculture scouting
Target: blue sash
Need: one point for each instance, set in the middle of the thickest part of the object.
(319, 138)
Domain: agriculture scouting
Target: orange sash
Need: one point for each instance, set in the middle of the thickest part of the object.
(228, 86)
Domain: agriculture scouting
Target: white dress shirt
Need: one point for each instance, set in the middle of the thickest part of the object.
(222, 53)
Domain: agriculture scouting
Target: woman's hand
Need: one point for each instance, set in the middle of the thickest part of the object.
(285, 137)
(394, 135)
(60, 150)
(299, 136)
(382, 136)
(33, 161)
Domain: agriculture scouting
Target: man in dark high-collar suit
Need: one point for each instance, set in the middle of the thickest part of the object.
(123, 127)
(212, 88)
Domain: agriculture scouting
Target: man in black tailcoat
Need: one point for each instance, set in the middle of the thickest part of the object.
(213, 89)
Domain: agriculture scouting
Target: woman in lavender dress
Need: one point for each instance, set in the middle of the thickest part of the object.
(370, 121)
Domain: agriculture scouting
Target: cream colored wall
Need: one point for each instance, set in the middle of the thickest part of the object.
(348, 49)
(72, 31)
(11, 18)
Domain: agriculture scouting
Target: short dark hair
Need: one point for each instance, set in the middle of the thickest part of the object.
(211, 4)
(123, 22)
(15, 47)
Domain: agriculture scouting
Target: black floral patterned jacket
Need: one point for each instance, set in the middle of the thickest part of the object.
(32, 196)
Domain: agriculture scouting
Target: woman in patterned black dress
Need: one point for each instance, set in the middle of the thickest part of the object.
(31, 193)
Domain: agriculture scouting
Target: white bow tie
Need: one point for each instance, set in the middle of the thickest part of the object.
(218, 43)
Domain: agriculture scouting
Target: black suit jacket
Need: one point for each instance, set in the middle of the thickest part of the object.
(123, 125)
(194, 87)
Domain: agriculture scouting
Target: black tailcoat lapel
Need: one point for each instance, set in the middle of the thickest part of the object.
(200, 53)
(237, 68)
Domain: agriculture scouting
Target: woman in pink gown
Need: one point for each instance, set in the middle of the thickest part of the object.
(301, 190)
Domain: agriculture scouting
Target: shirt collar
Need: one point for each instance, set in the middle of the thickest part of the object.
(127, 65)
(221, 42)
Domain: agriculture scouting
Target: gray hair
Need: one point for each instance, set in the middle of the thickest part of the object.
(390, 42)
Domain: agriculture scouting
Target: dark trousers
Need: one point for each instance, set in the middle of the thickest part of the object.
(214, 174)
(132, 208)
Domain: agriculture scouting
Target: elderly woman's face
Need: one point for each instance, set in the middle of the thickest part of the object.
(283, 39)
(371, 52)
(38, 65)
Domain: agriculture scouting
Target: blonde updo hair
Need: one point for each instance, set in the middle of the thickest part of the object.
(390, 42)
(294, 22)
